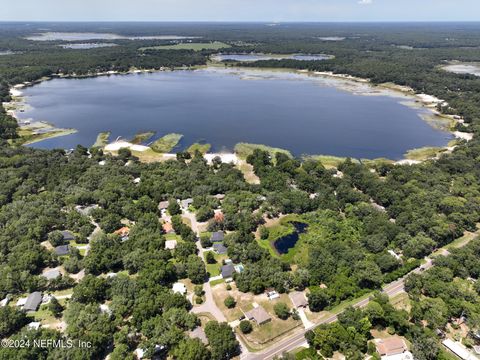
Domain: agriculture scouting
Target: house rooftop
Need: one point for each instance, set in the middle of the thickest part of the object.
(62, 250)
(170, 244)
(51, 274)
(163, 205)
(228, 271)
(391, 346)
(220, 249)
(168, 228)
(298, 299)
(186, 203)
(259, 315)
(67, 235)
(33, 301)
(179, 288)
(217, 236)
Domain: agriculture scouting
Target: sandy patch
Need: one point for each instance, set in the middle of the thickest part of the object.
(225, 157)
(463, 135)
(117, 145)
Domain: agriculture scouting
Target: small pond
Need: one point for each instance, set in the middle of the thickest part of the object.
(84, 46)
(285, 243)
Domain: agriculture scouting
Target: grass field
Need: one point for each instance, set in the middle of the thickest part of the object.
(203, 148)
(142, 137)
(166, 143)
(102, 139)
(216, 45)
(245, 149)
(423, 153)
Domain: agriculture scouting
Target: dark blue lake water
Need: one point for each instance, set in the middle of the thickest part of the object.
(303, 114)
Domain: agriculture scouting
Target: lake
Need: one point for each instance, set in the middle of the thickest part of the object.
(300, 113)
(80, 36)
(257, 57)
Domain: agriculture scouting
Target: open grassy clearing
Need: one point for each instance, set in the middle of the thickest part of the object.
(248, 173)
(202, 148)
(214, 269)
(423, 153)
(27, 136)
(216, 45)
(166, 143)
(245, 149)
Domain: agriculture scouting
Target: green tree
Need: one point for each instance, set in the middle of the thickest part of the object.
(173, 207)
(223, 343)
(246, 326)
(230, 302)
(281, 310)
(191, 349)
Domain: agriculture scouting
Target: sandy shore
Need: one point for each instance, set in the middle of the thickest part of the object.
(117, 145)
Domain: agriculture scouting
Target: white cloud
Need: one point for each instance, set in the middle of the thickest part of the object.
(365, 2)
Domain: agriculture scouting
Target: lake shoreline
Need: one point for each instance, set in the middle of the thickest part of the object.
(424, 101)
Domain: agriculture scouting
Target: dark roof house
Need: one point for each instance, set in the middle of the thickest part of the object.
(217, 236)
(219, 249)
(199, 333)
(67, 235)
(62, 250)
(228, 271)
(33, 301)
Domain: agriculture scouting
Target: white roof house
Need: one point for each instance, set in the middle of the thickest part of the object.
(459, 349)
(21, 301)
(179, 288)
(170, 244)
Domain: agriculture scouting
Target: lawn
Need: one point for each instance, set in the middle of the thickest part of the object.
(166, 143)
(216, 45)
(214, 269)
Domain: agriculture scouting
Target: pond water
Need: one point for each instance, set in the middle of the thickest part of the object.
(285, 243)
(258, 57)
(80, 36)
(84, 46)
(300, 113)
(464, 68)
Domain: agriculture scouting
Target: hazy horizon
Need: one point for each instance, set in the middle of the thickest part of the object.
(245, 11)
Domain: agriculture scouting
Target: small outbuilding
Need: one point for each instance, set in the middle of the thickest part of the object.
(170, 244)
(259, 315)
(299, 300)
(33, 301)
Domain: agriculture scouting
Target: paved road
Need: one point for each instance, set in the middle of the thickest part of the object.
(298, 339)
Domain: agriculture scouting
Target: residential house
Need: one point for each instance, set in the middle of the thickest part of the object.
(186, 203)
(459, 349)
(228, 271)
(168, 228)
(62, 250)
(33, 301)
(163, 205)
(123, 232)
(217, 236)
(219, 248)
(299, 300)
(51, 274)
(393, 348)
(259, 315)
(67, 236)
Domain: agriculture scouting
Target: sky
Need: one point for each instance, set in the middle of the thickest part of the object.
(240, 10)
